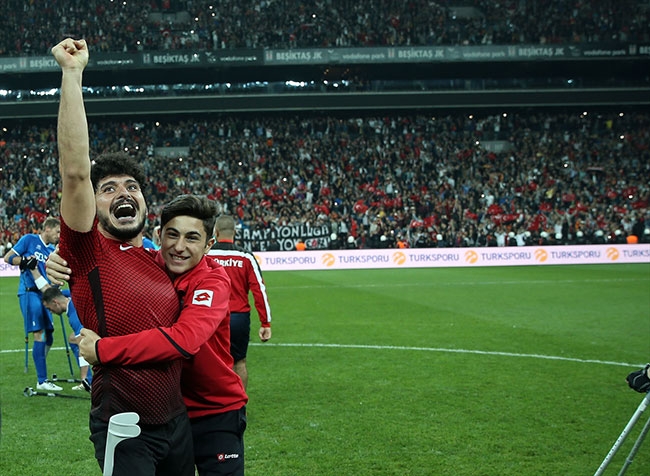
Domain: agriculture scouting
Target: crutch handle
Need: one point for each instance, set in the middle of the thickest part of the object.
(121, 426)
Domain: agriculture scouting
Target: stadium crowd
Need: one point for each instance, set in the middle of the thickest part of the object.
(524, 178)
(29, 28)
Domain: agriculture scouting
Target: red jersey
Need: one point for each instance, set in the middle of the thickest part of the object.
(245, 275)
(201, 336)
(118, 289)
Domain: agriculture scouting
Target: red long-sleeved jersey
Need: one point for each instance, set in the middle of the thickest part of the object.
(108, 307)
(245, 276)
(201, 335)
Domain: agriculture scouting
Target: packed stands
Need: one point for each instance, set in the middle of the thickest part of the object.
(378, 178)
(450, 180)
(31, 28)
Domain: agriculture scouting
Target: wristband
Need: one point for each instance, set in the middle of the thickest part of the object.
(41, 282)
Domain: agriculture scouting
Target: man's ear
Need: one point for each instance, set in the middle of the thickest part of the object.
(208, 245)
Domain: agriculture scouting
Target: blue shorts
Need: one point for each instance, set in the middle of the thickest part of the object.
(240, 330)
(35, 316)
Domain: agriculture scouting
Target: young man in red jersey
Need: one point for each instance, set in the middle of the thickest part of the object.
(245, 277)
(103, 212)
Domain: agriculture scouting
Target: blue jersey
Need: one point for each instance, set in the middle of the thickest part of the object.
(32, 245)
(148, 244)
(73, 318)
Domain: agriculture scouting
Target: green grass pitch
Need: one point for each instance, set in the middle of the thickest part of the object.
(461, 372)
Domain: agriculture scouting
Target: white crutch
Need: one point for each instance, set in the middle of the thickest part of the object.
(121, 426)
(619, 441)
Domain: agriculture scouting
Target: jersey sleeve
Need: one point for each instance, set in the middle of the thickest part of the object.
(258, 289)
(21, 247)
(205, 306)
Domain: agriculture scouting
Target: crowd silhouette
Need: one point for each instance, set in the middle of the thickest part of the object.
(32, 28)
(384, 180)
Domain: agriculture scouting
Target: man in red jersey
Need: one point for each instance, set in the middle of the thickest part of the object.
(213, 392)
(103, 212)
(245, 276)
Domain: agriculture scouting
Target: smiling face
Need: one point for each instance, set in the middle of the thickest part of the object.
(121, 209)
(183, 242)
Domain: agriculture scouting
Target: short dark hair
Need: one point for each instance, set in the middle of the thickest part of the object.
(116, 163)
(50, 294)
(225, 223)
(51, 222)
(195, 206)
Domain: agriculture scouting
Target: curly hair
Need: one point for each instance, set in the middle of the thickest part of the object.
(117, 163)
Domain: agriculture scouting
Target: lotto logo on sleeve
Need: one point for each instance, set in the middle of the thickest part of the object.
(202, 297)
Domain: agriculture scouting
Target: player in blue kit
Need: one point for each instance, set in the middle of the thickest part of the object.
(59, 301)
(30, 254)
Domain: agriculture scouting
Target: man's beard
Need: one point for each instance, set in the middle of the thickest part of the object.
(123, 234)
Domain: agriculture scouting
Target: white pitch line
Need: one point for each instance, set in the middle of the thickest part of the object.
(454, 351)
(418, 349)
(459, 283)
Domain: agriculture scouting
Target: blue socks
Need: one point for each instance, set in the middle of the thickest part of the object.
(38, 354)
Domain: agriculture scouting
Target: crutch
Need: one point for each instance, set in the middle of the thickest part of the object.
(121, 426)
(67, 347)
(26, 352)
(635, 448)
(619, 441)
(30, 392)
(56, 378)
